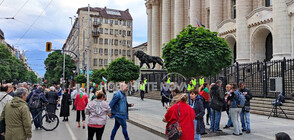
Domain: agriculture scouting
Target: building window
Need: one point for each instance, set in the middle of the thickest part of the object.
(111, 22)
(124, 43)
(233, 9)
(95, 20)
(120, 32)
(129, 23)
(129, 33)
(111, 32)
(100, 62)
(95, 40)
(100, 40)
(124, 52)
(95, 50)
(106, 31)
(105, 62)
(106, 21)
(116, 52)
(105, 41)
(116, 32)
(124, 33)
(101, 51)
(111, 41)
(95, 62)
(116, 22)
(129, 53)
(124, 23)
(101, 20)
(101, 30)
(115, 42)
(268, 3)
(129, 43)
(105, 51)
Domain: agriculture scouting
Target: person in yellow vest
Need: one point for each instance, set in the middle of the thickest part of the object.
(146, 86)
(142, 90)
(194, 82)
(201, 81)
(168, 80)
(190, 86)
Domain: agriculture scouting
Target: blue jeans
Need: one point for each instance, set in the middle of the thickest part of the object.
(215, 117)
(196, 136)
(230, 120)
(245, 120)
(120, 122)
(37, 121)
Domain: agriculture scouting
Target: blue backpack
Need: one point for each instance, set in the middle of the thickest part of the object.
(240, 99)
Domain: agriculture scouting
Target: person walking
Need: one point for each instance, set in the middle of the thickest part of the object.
(65, 102)
(165, 95)
(142, 90)
(81, 103)
(227, 102)
(17, 117)
(235, 110)
(245, 113)
(185, 117)
(52, 98)
(216, 105)
(204, 92)
(35, 101)
(196, 102)
(119, 111)
(73, 97)
(98, 109)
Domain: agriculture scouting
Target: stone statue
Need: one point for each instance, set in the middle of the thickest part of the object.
(145, 58)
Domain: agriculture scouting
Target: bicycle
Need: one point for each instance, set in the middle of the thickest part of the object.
(49, 121)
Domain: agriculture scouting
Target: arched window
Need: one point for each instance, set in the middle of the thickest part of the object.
(268, 3)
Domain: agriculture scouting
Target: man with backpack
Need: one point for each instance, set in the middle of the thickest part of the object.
(35, 100)
(245, 113)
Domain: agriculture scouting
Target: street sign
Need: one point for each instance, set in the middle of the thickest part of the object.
(48, 46)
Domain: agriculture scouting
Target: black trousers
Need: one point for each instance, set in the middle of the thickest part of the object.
(142, 94)
(79, 115)
(73, 104)
(98, 131)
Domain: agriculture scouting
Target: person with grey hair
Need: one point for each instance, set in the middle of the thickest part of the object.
(4, 97)
(17, 117)
(216, 104)
(52, 98)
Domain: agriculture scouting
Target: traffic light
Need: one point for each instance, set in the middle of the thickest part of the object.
(48, 46)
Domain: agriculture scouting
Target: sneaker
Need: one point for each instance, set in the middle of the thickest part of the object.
(243, 130)
(204, 133)
(248, 132)
(219, 130)
(241, 134)
(226, 127)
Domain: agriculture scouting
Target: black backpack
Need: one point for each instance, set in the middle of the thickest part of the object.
(35, 102)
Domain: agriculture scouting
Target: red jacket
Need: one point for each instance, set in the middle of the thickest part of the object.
(81, 103)
(187, 115)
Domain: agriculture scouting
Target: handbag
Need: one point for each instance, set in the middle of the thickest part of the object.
(69, 101)
(174, 131)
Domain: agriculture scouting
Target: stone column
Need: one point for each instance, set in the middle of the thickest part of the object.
(260, 3)
(216, 14)
(166, 22)
(195, 7)
(281, 31)
(243, 8)
(179, 17)
(155, 28)
(149, 18)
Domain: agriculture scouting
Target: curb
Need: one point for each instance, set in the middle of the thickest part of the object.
(156, 132)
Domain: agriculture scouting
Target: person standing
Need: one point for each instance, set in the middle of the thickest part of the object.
(235, 110)
(65, 101)
(165, 95)
(119, 111)
(10, 90)
(227, 102)
(4, 97)
(216, 105)
(52, 98)
(245, 113)
(73, 97)
(17, 117)
(98, 109)
(146, 85)
(35, 100)
(204, 92)
(81, 103)
(142, 90)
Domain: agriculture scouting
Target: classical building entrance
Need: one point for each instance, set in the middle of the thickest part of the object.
(261, 44)
(233, 45)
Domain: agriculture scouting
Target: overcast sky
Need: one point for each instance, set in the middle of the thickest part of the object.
(39, 21)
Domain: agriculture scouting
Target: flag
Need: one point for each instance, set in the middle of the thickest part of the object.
(103, 80)
(199, 24)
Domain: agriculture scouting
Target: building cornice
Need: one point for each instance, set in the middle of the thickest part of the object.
(259, 10)
(226, 21)
(227, 32)
(260, 22)
(290, 2)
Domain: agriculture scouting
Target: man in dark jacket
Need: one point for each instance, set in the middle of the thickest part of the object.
(36, 111)
(52, 98)
(245, 113)
(216, 104)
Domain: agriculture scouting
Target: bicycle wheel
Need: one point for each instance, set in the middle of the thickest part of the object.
(49, 122)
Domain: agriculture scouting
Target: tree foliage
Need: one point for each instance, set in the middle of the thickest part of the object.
(54, 67)
(13, 69)
(195, 52)
(81, 79)
(122, 69)
(96, 76)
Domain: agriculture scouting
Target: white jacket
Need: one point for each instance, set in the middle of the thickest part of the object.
(74, 94)
(4, 101)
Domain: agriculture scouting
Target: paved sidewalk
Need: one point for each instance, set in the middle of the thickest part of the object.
(149, 113)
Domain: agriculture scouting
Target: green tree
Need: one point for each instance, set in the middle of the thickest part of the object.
(122, 69)
(54, 67)
(96, 76)
(31, 77)
(195, 52)
(81, 79)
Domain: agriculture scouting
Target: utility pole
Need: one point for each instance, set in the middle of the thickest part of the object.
(83, 52)
(78, 53)
(88, 52)
(63, 79)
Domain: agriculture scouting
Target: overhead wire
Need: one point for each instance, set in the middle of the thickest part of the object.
(20, 8)
(1, 2)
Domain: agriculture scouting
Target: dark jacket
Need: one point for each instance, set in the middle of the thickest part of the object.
(197, 106)
(216, 96)
(11, 94)
(234, 96)
(64, 111)
(248, 96)
(42, 97)
(52, 97)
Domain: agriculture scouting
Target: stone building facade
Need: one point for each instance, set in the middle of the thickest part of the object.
(254, 29)
(111, 32)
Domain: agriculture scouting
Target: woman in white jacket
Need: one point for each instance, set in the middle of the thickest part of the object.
(98, 109)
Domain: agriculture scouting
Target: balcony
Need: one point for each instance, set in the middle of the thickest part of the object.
(95, 33)
(96, 24)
